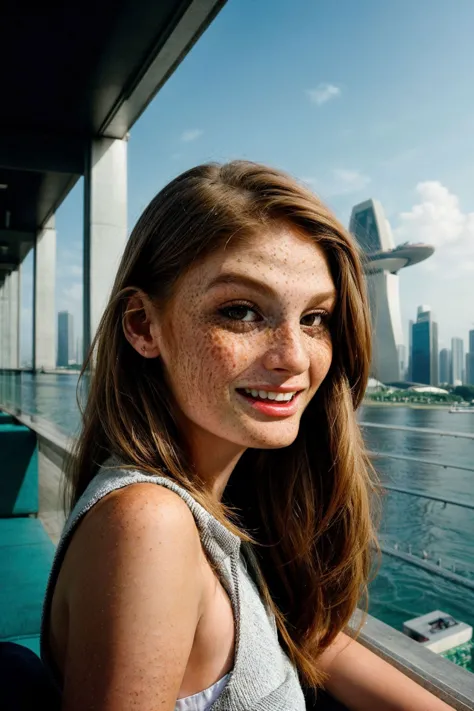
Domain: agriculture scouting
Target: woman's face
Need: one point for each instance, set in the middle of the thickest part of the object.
(245, 340)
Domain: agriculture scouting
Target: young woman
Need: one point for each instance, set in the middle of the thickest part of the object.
(220, 532)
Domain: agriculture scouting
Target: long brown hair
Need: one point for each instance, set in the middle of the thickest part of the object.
(306, 507)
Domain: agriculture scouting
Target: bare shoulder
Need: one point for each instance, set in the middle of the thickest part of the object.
(133, 588)
(130, 516)
(131, 531)
(143, 502)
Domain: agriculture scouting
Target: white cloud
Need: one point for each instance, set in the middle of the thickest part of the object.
(68, 253)
(323, 93)
(72, 294)
(309, 180)
(438, 219)
(467, 266)
(401, 159)
(75, 270)
(348, 181)
(444, 280)
(341, 181)
(191, 135)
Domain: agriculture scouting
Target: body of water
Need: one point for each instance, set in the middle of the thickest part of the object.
(442, 532)
(439, 531)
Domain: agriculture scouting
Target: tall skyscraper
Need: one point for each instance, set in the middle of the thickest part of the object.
(402, 361)
(79, 354)
(445, 366)
(383, 262)
(410, 349)
(65, 339)
(425, 348)
(370, 227)
(470, 360)
(457, 361)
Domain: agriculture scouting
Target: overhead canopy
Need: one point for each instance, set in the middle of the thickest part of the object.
(72, 71)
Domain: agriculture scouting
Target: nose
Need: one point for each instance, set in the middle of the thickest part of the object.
(287, 351)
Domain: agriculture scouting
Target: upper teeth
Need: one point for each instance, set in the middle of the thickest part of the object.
(271, 395)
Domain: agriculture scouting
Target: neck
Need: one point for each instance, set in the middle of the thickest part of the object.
(214, 459)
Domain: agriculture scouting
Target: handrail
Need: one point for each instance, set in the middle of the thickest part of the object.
(419, 460)
(432, 497)
(445, 680)
(420, 430)
(42, 427)
(430, 567)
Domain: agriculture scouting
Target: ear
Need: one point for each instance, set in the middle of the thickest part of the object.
(139, 325)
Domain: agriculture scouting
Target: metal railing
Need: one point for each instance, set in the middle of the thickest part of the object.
(434, 568)
(431, 497)
(409, 557)
(420, 460)
(420, 430)
(445, 680)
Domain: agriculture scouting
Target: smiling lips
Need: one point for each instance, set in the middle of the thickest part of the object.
(276, 403)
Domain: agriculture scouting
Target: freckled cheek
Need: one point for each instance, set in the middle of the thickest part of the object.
(321, 359)
(208, 361)
(227, 356)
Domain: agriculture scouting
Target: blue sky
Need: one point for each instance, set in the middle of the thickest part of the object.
(360, 99)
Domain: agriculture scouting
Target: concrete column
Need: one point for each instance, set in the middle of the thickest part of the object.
(14, 318)
(44, 306)
(2, 328)
(4, 310)
(6, 322)
(105, 226)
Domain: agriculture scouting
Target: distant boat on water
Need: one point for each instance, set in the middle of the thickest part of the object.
(465, 410)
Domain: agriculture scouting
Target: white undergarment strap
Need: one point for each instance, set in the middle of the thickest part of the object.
(203, 700)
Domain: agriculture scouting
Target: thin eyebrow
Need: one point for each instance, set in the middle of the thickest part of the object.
(233, 278)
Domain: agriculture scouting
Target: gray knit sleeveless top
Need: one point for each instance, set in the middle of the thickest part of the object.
(263, 678)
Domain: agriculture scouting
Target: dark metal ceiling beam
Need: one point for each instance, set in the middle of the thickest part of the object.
(36, 151)
(135, 47)
(17, 235)
(163, 59)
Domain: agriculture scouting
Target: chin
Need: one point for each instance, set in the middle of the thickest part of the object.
(272, 440)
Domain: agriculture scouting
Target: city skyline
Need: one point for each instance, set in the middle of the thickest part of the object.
(344, 118)
(451, 370)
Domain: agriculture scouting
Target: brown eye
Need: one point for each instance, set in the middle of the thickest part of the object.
(239, 312)
(313, 320)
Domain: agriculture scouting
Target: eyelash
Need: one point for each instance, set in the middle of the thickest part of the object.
(224, 311)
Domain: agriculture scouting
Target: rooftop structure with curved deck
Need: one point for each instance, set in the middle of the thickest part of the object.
(383, 262)
(392, 260)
